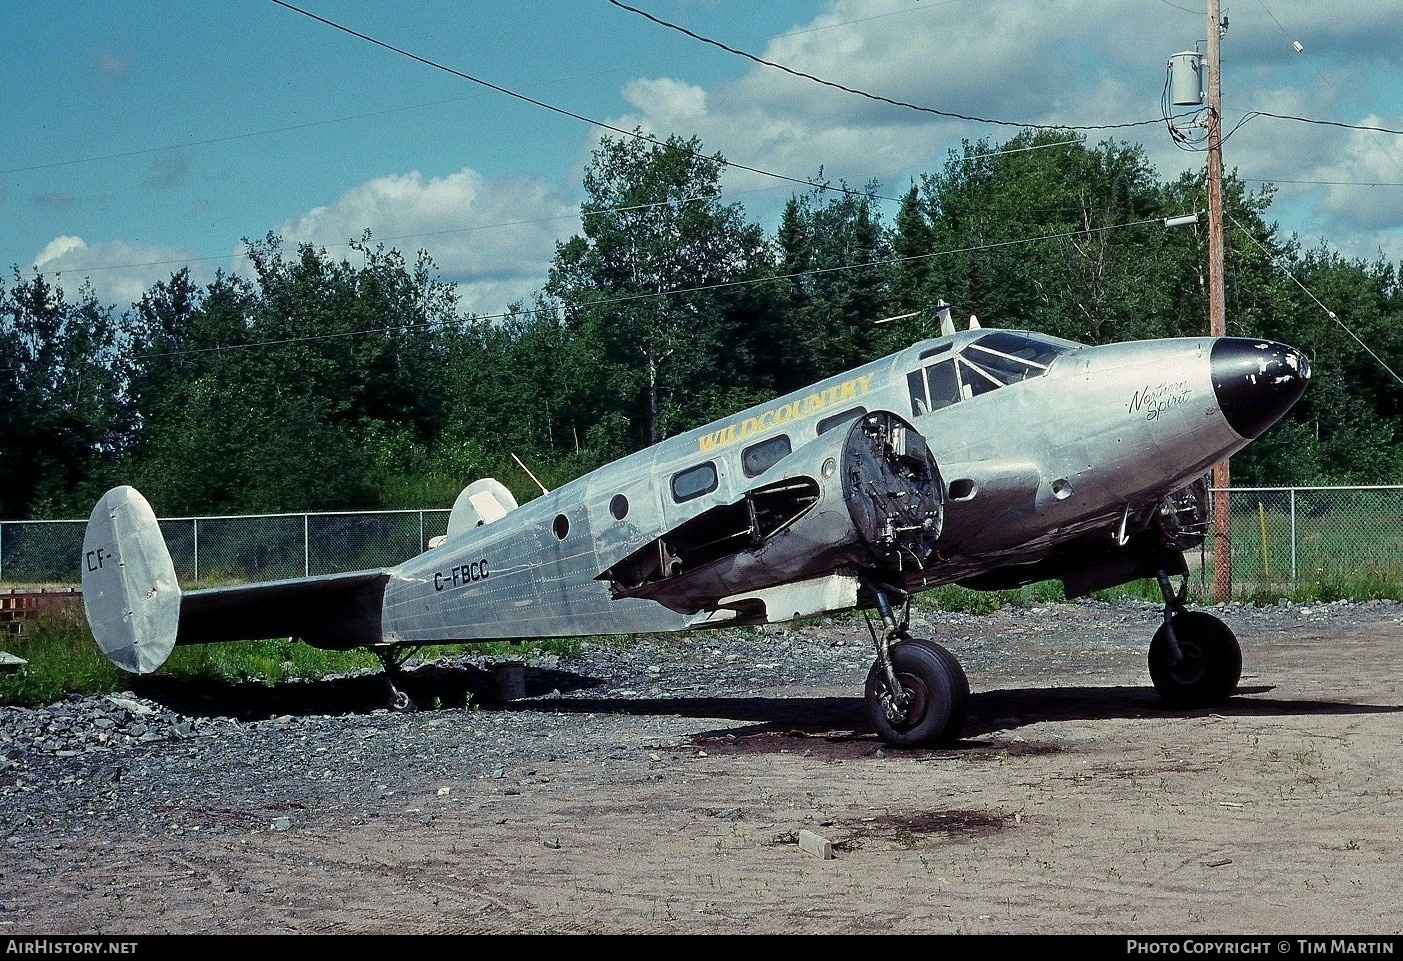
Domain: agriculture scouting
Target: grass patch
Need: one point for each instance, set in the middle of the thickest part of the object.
(64, 659)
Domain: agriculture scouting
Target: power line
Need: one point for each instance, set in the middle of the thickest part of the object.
(863, 93)
(538, 103)
(1251, 114)
(1328, 312)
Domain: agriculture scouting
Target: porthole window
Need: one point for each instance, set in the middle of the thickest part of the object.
(561, 526)
(619, 507)
(758, 458)
(694, 482)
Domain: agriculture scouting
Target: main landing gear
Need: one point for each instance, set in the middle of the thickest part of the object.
(1195, 659)
(916, 691)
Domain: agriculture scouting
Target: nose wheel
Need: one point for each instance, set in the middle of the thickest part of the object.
(1195, 659)
(916, 692)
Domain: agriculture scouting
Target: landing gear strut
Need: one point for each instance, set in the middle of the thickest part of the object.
(916, 691)
(1195, 658)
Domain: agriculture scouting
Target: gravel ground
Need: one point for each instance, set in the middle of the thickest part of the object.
(103, 799)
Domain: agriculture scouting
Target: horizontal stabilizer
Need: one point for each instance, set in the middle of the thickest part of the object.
(331, 611)
(130, 592)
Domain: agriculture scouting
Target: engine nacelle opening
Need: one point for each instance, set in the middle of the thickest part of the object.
(867, 499)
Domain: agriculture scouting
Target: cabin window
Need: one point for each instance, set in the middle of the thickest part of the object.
(619, 507)
(694, 482)
(758, 458)
(561, 526)
(837, 420)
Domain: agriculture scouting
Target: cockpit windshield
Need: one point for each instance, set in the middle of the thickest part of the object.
(998, 358)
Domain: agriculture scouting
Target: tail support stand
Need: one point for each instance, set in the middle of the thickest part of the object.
(1173, 604)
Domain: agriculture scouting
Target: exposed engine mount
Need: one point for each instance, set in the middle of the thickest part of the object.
(866, 499)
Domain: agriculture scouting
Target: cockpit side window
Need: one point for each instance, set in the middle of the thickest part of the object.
(1004, 358)
(997, 358)
(944, 389)
(933, 388)
(920, 400)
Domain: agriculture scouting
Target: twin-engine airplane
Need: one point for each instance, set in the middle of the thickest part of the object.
(987, 458)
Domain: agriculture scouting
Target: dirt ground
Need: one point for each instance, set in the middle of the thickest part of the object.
(1074, 804)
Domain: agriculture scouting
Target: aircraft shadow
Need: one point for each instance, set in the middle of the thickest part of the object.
(836, 718)
(769, 723)
(429, 686)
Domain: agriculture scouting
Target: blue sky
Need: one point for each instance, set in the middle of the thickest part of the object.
(143, 136)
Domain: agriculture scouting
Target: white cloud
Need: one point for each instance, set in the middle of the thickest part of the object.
(120, 271)
(493, 238)
(667, 101)
(57, 249)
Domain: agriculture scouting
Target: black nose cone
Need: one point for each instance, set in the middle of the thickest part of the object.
(1256, 381)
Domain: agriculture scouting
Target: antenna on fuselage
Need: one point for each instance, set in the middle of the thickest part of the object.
(529, 474)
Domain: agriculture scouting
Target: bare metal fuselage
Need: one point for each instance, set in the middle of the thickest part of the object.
(1089, 445)
(986, 458)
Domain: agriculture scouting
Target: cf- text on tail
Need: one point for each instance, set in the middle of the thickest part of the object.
(130, 592)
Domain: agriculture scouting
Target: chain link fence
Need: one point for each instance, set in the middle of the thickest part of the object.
(211, 551)
(1322, 543)
(1326, 543)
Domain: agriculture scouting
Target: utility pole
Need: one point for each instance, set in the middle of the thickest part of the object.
(1217, 311)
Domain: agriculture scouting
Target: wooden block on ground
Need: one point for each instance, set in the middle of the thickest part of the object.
(818, 846)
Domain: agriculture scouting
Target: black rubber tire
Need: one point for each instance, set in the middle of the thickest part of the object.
(959, 693)
(939, 690)
(1212, 663)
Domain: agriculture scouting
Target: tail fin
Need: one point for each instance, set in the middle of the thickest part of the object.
(130, 592)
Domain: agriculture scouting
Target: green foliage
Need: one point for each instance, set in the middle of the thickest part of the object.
(835, 261)
(267, 661)
(658, 296)
(952, 597)
(62, 659)
(61, 413)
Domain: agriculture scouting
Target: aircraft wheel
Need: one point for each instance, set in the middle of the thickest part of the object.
(1211, 666)
(959, 706)
(398, 700)
(938, 689)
